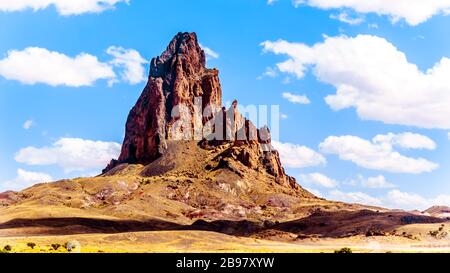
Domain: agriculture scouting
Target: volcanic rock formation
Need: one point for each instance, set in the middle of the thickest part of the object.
(182, 101)
(188, 164)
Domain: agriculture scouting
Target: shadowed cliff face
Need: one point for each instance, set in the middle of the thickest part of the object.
(182, 101)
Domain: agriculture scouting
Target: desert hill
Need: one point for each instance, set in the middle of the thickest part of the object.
(139, 195)
(438, 211)
(181, 171)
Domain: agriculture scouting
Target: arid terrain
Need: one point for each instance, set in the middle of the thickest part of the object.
(168, 194)
(188, 209)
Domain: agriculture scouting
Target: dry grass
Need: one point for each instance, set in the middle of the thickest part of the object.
(211, 242)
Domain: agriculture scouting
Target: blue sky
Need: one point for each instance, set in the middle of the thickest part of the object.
(65, 118)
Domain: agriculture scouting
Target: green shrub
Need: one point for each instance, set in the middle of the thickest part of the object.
(31, 245)
(344, 250)
(56, 246)
(7, 248)
(434, 233)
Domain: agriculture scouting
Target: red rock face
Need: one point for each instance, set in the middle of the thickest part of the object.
(183, 101)
(177, 77)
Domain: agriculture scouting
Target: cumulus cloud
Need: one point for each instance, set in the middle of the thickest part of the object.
(346, 18)
(71, 154)
(374, 77)
(314, 191)
(131, 61)
(39, 65)
(271, 2)
(355, 197)
(375, 182)
(27, 124)
(64, 7)
(404, 200)
(406, 140)
(297, 99)
(394, 199)
(35, 65)
(25, 179)
(372, 155)
(269, 72)
(296, 156)
(210, 54)
(414, 12)
(321, 180)
(318, 179)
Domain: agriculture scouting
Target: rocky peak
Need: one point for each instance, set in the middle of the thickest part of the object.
(178, 86)
(183, 101)
(183, 53)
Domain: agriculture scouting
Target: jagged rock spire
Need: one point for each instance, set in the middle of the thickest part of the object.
(183, 101)
(178, 76)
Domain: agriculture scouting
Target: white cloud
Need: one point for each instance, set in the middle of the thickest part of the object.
(284, 116)
(64, 7)
(411, 201)
(374, 156)
(394, 199)
(373, 76)
(271, 2)
(297, 99)
(131, 61)
(210, 54)
(296, 156)
(269, 72)
(38, 65)
(72, 154)
(346, 18)
(27, 124)
(414, 12)
(376, 182)
(406, 140)
(318, 179)
(355, 197)
(315, 192)
(25, 179)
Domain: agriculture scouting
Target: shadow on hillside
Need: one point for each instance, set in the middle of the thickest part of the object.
(74, 225)
(323, 224)
(351, 223)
